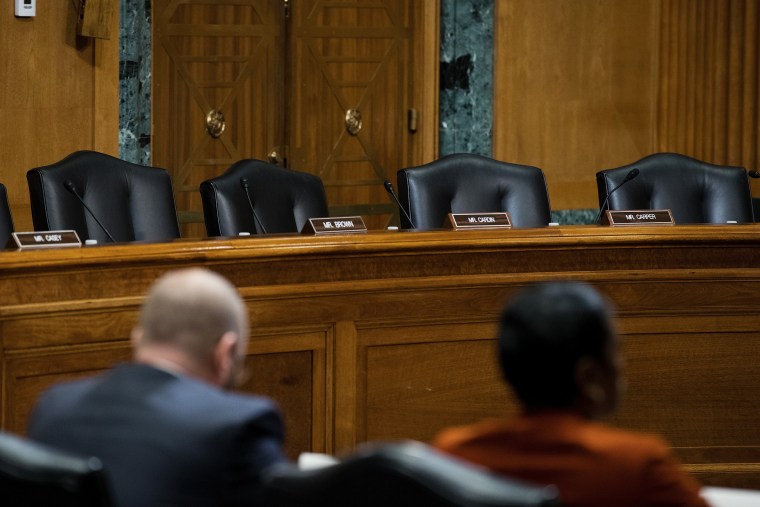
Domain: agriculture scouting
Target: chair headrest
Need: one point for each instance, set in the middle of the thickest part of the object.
(35, 473)
(402, 474)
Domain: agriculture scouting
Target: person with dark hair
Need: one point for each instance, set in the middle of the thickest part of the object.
(559, 352)
(165, 426)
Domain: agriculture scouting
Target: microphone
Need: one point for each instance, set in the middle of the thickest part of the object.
(244, 184)
(69, 185)
(628, 177)
(389, 188)
(754, 174)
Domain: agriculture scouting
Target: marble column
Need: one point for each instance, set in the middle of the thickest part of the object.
(466, 72)
(134, 81)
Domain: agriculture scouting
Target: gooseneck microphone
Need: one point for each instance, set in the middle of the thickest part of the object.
(628, 177)
(389, 188)
(69, 185)
(244, 184)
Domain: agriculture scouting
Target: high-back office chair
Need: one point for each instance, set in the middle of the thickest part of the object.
(6, 220)
(406, 474)
(694, 191)
(35, 474)
(467, 183)
(133, 202)
(282, 199)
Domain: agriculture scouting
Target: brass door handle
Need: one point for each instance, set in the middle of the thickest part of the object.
(215, 123)
(274, 157)
(412, 116)
(353, 121)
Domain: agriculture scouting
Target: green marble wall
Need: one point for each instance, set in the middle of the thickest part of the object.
(466, 68)
(134, 81)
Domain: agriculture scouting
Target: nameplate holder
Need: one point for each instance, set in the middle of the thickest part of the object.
(638, 217)
(334, 225)
(464, 221)
(44, 239)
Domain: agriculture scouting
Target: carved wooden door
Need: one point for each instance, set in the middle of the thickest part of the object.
(335, 88)
(217, 91)
(352, 118)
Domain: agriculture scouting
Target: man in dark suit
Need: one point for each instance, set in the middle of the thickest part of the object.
(560, 354)
(166, 430)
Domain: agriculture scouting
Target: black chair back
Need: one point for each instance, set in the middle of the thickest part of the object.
(133, 202)
(6, 220)
(399, 475)
(283, 199)
(35, 474)
(694, 191)
(467, 183)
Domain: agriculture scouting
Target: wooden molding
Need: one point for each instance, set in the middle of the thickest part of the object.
(95, 18)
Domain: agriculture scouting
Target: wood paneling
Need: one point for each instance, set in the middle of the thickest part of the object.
(285, 82)
(95, 18)
(291, 368)
(363, 56)
(585, 86)
(709, 82)
(26, 374)
(58, 94)
(226, 56)
(388, 335)
(575, 89)
(421, 378)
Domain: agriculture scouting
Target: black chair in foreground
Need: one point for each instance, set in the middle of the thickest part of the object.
(35, 474)
(694, 191)
(6, 220)
(405, 474)
(261, 198)
(467, 183)
(130, 201)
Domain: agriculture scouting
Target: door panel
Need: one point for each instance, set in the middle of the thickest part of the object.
(284, 73)
(221, 56)
(352, 56)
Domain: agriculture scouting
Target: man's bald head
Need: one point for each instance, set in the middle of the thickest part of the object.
(190, 310)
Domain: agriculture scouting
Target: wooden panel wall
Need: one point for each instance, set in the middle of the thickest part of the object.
(709, 86)
(361, 56)
(225, 56)
(284, 85)
(58, 94)
(575, 89)
(385, 335)
(582, 86)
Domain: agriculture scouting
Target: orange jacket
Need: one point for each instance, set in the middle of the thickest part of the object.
(591, 464)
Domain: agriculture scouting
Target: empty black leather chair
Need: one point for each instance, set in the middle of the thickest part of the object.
(6, 220)
(466, 183)
(695, 192)
(398, 475)
(133, 202)
(35, 474)
(283, 199)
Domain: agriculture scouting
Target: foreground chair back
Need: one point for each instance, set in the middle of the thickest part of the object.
(34, 474)
(133, 202)
(6, 220)
(283, 199)
(398, 475)
(466, 183)
(694, 191)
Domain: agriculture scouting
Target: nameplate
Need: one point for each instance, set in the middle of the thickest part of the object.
(461, 221)
(334, 225)
(638, 217)
(44, 239)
